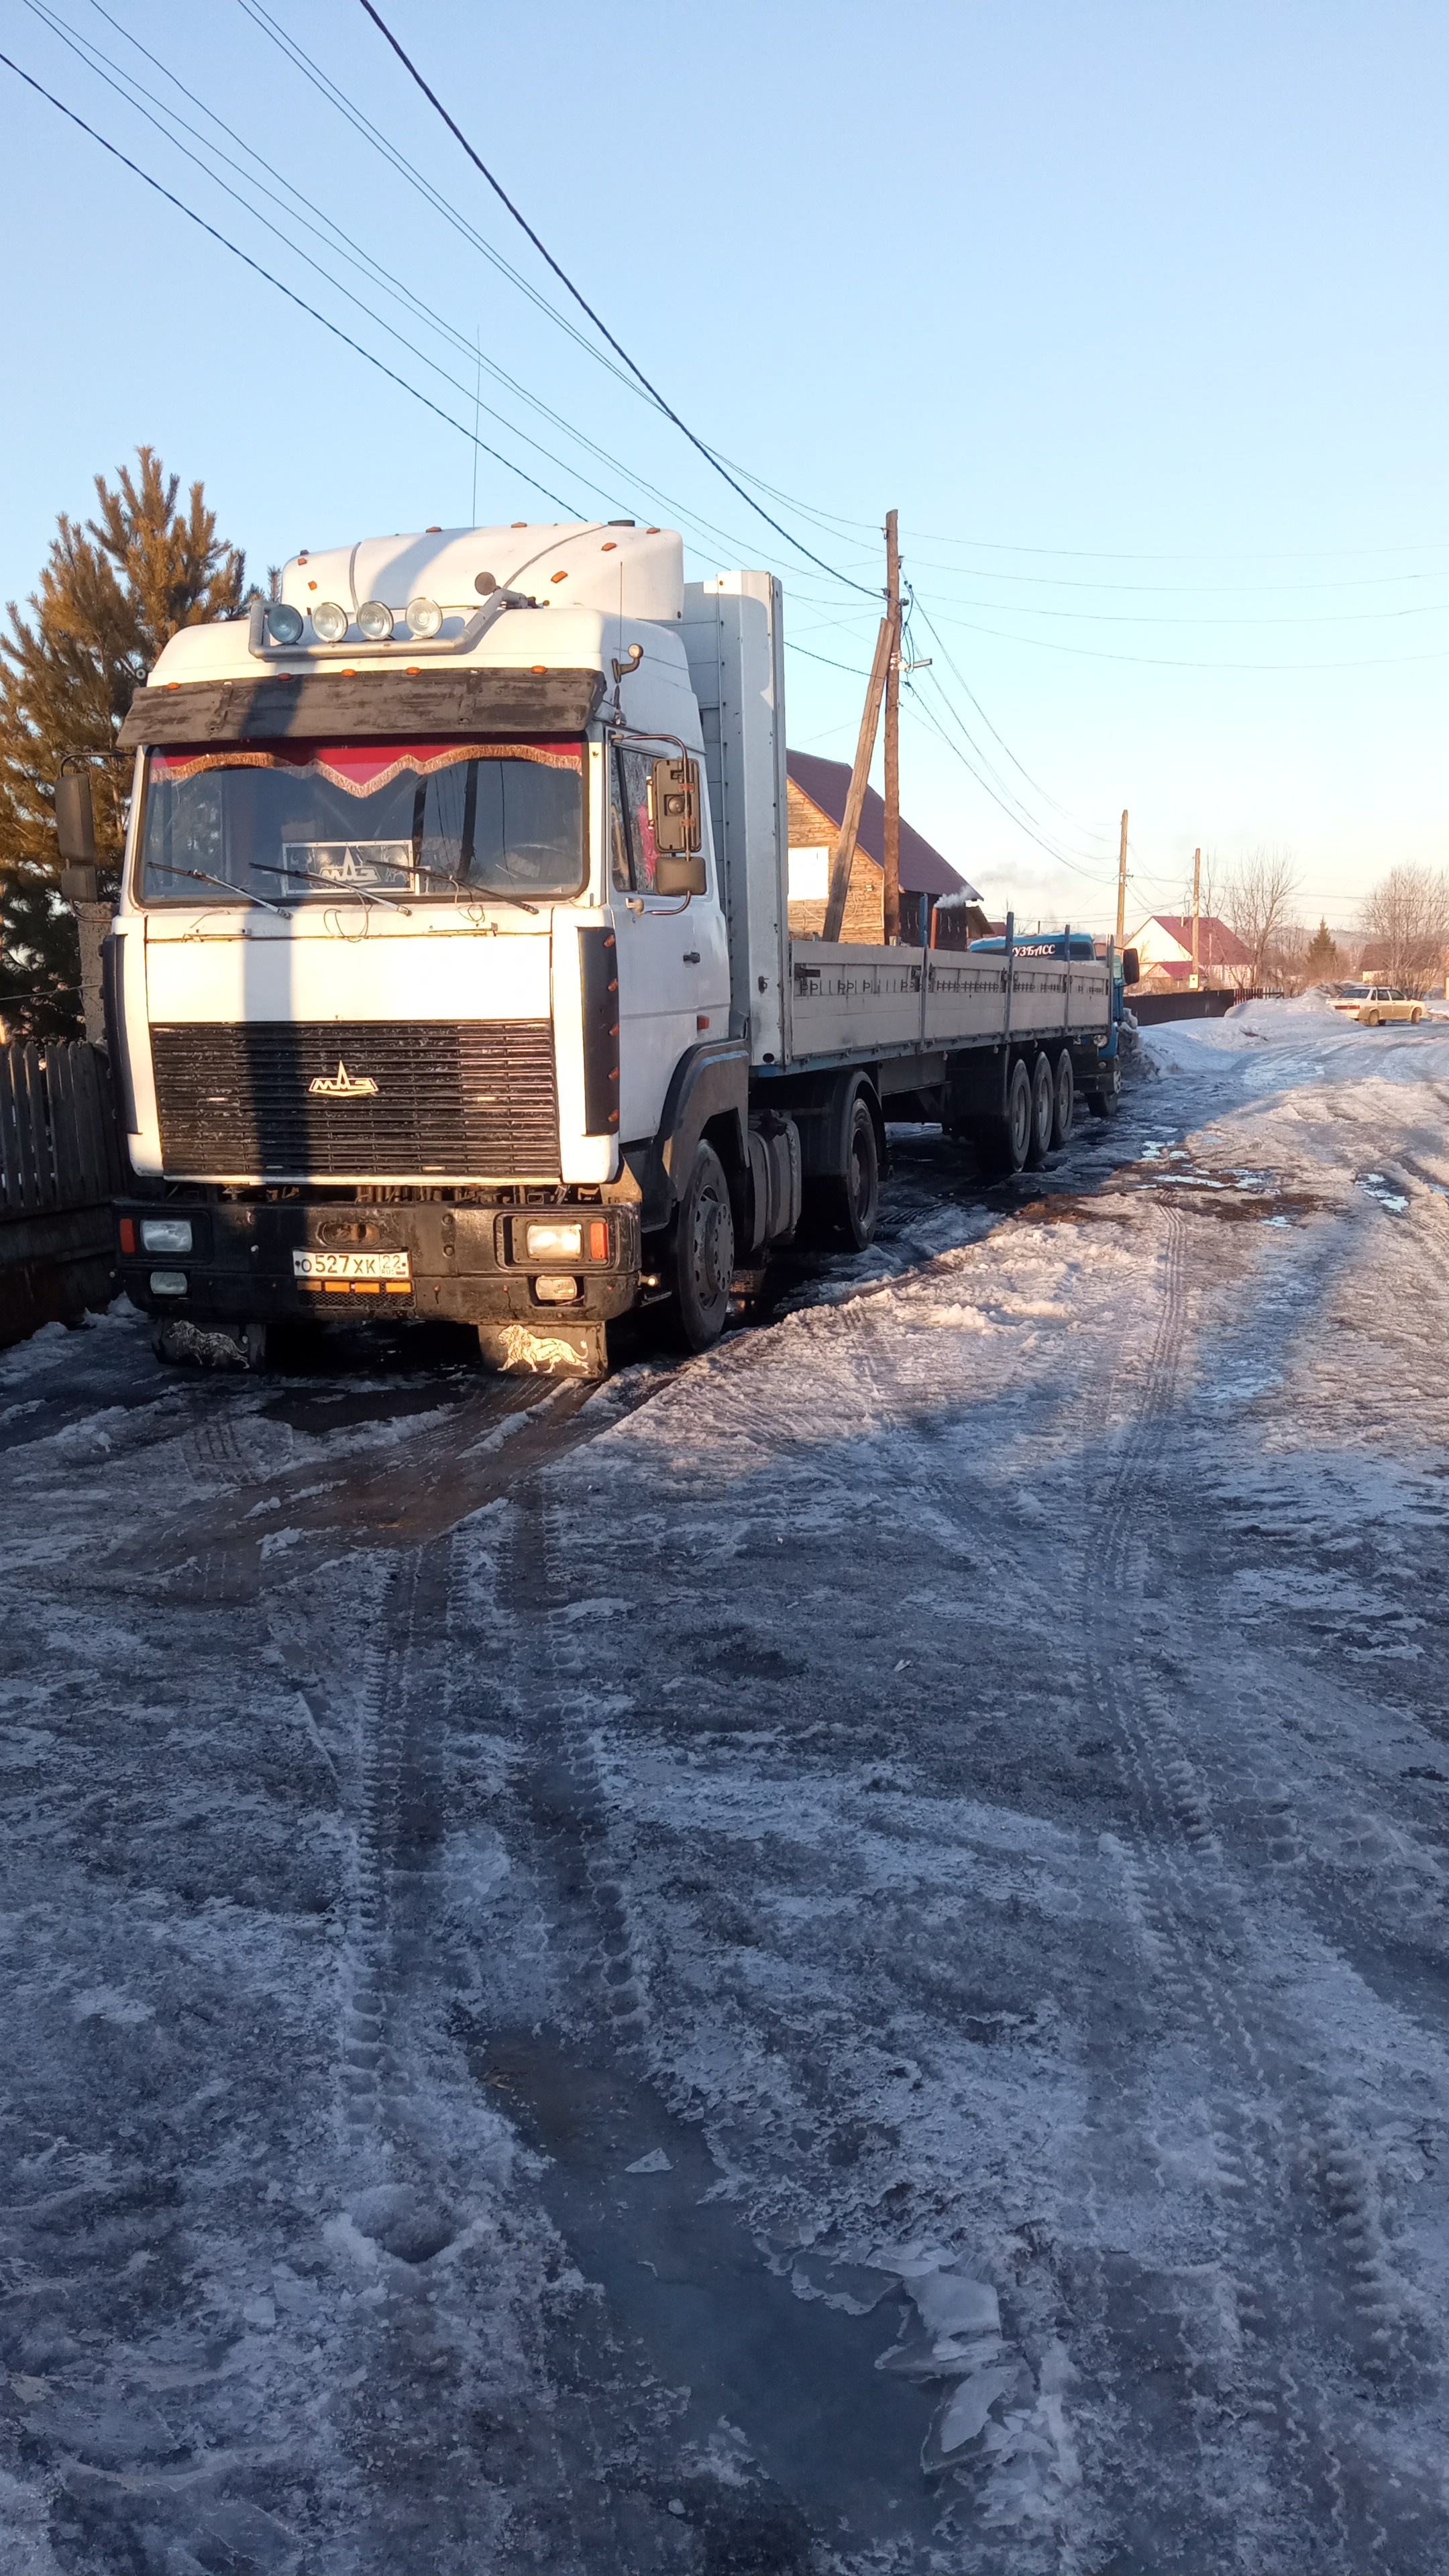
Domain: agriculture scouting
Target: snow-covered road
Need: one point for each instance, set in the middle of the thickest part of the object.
(828, 1960)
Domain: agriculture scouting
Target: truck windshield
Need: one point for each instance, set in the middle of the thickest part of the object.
(297, 822)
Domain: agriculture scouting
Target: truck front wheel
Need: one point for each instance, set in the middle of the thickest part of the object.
(704, 1253)
(1105, 1098)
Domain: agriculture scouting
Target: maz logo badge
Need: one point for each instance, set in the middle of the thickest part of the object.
(342, 1085)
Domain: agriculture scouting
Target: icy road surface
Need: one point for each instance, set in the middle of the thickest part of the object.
(829, 1960)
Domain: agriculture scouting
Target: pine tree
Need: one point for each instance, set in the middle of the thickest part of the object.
(1322, 962)
(112, 593)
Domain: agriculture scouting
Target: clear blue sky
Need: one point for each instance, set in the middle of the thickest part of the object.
(1136, 313)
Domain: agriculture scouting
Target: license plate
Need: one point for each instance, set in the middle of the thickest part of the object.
(350, 1265)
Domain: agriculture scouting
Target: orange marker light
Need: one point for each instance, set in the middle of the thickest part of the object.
(599, 1239)
(540, 672)
(128, 1234)
(612, 547)
(558, 576)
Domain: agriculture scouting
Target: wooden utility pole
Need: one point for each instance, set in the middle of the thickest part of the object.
(844, 852)
(1122, 886)
(892, 853)
(1196, 912)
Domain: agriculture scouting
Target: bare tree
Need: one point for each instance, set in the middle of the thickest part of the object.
(1406, 926)
(1259, 906)
(1286, 963)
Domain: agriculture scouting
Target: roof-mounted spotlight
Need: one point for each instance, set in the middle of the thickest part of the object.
(284, 623)
(374, 620)
(329, 622)
(425, 617)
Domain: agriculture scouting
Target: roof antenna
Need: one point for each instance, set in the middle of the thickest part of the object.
(622, 670)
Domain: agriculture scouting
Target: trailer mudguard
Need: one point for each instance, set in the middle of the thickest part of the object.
(821, 1106)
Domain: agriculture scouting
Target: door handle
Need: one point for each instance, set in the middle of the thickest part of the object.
(691, 956)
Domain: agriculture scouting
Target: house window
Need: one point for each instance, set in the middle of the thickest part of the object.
(810, 873)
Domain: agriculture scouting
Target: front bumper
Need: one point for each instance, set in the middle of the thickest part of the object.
(467, 1264)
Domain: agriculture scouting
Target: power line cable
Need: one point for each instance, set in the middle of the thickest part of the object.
(358, 256)
(1173, 662)
(363, 125)
(134, 92)
(1007, 797)
(584, 305)
(1090, 829)
(96, 61)
(571, 508)
(927, 716)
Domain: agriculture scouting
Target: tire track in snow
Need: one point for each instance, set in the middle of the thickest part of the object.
(1177, 1912)
(1270, 2115)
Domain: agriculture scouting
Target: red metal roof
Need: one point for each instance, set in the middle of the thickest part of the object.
(923, 870)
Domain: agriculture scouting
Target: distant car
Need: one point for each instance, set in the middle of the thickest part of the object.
(1372, 1005)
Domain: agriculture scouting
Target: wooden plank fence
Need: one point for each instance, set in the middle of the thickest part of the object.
(60, 1167)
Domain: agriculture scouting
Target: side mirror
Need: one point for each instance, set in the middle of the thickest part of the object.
(1131, 967)
(75, 831)
(674, 809)
(680, 875)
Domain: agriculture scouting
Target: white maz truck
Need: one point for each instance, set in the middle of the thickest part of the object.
(452, 973)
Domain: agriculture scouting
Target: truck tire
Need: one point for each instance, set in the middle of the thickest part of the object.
(843, 1206)
(1043, 1096)
(1064, 1098)
(1002, 1142)
(1103, 1099)
(704, 1253)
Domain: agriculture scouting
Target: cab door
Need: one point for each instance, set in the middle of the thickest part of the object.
(674, 986)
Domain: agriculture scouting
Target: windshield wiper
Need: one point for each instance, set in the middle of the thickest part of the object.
(204, 877)
(365, 894)
(480, 894)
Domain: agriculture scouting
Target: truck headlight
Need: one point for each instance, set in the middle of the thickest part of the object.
(425, 617)
(329, 622)
(168, 1283)
(554, 1243)
(284, 623)
(554, 1290)
(374, 620)
(165, 1234)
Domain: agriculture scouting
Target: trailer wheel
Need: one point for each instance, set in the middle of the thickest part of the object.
(704, 1253)
(1064, 1098)
(854, 1200)
(1043, 1100)
(1002, 1142)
